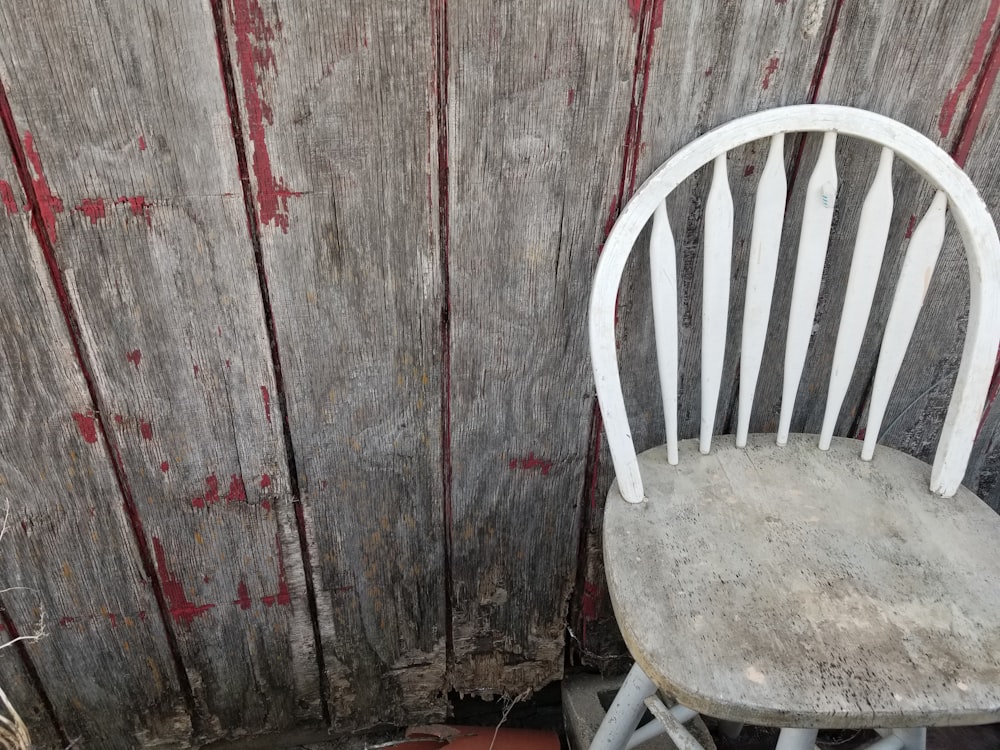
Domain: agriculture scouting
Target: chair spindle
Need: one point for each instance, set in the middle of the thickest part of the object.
(914, 279)
(817, 216)
(663, 277)
(869, 248)
(765, 241)
(715, 295)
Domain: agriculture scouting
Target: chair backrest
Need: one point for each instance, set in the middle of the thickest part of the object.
(954, 190)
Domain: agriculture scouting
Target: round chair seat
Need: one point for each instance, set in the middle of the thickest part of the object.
(789, 586)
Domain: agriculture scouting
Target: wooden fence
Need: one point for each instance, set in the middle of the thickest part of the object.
(297, 426)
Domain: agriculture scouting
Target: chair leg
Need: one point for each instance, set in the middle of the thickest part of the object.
(913, 739)
(797, 739)
(625, 712)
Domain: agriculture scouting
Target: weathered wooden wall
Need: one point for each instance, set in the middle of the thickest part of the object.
(297, 427)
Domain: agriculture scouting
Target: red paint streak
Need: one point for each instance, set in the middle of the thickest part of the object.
(85, 424)
(635, 10)
(119, 419)
(253, 37)
(138, 205)
(49, 204)
(142, 143)
(265, 394)
(265, 481)
(142, 615)
(237, 490)
(92, 208)
(66, 621)
(910, 226)
(211, 493)
(530, 463)
(282, 598)
(243, 596)
(977, 106)
(165, 467)
(7, 197)
(708, 71)
(135, 357)
(266, 505)
(974, 66)
(181, 609)
(146, 430)
(569, 98)
(195, 370)
(748, 170)
(227, 364)
(114, 619)
(770, 70)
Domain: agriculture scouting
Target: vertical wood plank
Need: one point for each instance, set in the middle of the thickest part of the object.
(132, 156)
(17, 685)
(538, 104)
(105, 663)
(692, 88)
(866, 47)
(338, 108)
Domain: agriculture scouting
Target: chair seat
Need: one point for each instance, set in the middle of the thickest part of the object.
(789, 586)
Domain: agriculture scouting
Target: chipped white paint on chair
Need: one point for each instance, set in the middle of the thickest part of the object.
(734, 475)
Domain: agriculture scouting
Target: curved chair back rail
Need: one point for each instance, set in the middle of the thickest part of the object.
(954, 191)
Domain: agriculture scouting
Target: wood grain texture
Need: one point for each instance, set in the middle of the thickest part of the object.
(799, 587)
(105, 663)
(132, 156)
(538, 105)
(338, 104)
(693, 88)
(862, 51)
(16, 683)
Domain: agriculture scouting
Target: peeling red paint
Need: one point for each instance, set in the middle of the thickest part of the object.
(237, 490)
(195, 370)
(114, 619)
(7, 197)
(770, 70)
(975, 63)
(165, 467)
(49, 204)
(138, 206)
(529, 463)
(135, 357)
(569, 98)
(708, 71)
(253, 36)
(92, 208)
(142, 143)
(146, 430)
(66, 621)
(265, 481)
(748, 170)
(266, 395)
(656, 17)
(282, 598)
(227, 364)
(85, 424)
(181, 608)
(243, 596)
(119, 419)
(211, 493)
(910, 226)
(266, 505)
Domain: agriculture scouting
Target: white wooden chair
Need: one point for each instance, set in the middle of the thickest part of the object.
(805, 581)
